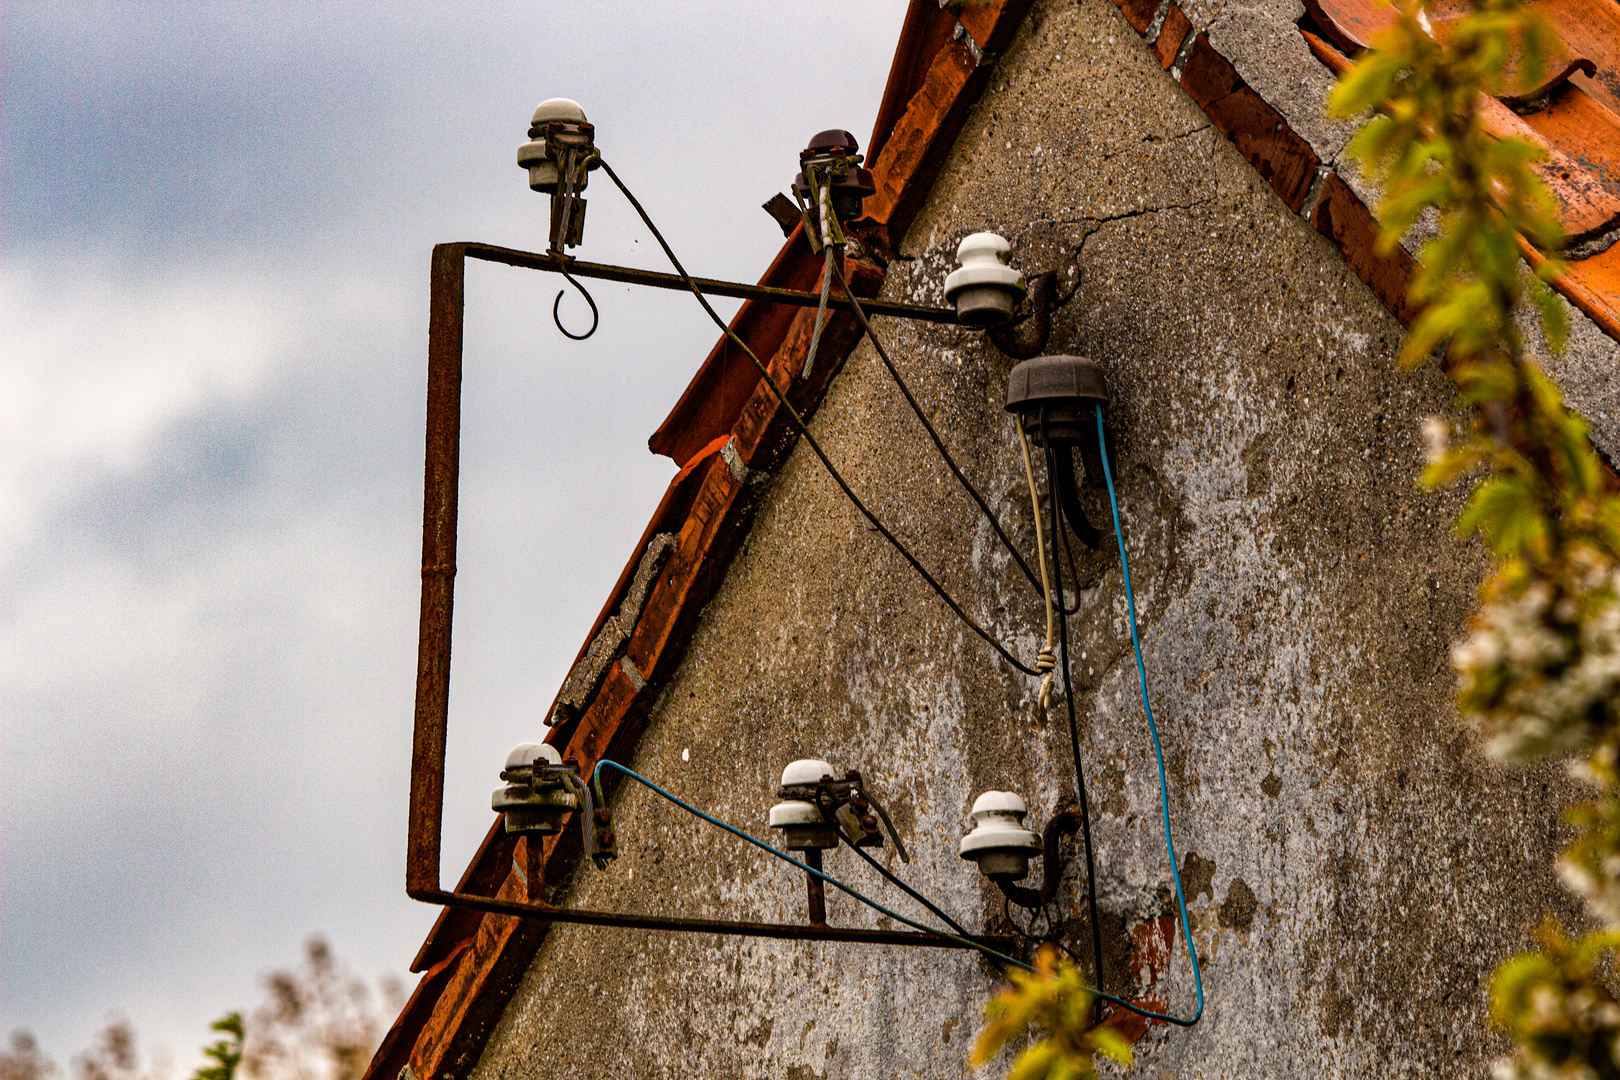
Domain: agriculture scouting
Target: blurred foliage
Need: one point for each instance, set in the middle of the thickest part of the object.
(1556, 1007)
(1056, 1003)
(1539, 671)
(226, 1054)
(319, 1021)
(23, 1060)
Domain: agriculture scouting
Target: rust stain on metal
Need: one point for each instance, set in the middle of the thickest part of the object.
(545, 913)
(439, 497)
(815, 890)
(655, 279)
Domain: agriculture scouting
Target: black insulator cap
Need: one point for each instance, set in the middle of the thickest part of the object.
(1058, 382)
(826, 142)
(860, 182)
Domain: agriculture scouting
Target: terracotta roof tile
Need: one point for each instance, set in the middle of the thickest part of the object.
(922, 35)
(1577, 123)
(923, 136)
(1585, 131)
(1591, 28)
(1343, 218)
(1593, 285)
(725, 380)
(1350, 25)
(1271, 146)
(1325, 51)
(1139, 13)
(993, 24)
(726, 423)
(1586, 206)
(934, 79)
(483, 876)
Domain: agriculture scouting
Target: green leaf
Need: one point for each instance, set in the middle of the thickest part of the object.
(1506, 513)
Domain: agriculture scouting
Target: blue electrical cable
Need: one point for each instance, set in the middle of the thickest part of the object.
(596, 779)
(828, 878)
(1158, 750)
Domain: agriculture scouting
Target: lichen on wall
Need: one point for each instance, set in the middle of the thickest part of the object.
(1354, 867)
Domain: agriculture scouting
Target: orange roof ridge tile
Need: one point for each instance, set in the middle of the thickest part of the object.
(1587, 206)
(1591, 28)
(1592, 285)
(1577, 126)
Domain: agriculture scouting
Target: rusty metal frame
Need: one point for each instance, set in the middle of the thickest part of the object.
(724, 927)
(439, 508)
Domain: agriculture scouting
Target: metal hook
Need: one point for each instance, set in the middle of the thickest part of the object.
(556, 318)
(1038, 316)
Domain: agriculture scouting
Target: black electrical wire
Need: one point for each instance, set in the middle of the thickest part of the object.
(1029, 935)
(887, 875)
(1074, 732)
(939, 444)
(1074, 726)
(804, 430)
(1068, 550)
(556, 316)
(569, 166)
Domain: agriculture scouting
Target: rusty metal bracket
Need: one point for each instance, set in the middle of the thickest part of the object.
(439, 508)
(1026, 337)
(711, 287)
(727, 928)
(1064, 823)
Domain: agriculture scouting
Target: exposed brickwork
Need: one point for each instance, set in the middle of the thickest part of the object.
(922, 35)
(487, 971)
(395, 1050)
(483, 876)
(923, 136)
(1345, 219)
(1286, 161)
(1153, 942)
(993, 25)
(1139, 13)
(725, 380)
(1171, 35)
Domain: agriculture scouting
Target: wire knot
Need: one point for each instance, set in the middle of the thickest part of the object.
(1044, 663)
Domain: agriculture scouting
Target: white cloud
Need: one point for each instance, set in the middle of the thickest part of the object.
(97, 366)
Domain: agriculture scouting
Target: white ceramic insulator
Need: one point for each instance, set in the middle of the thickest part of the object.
(528, 753)
(998, 828)
(983, 257)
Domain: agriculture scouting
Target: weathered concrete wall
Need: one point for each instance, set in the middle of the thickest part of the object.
(1356, 867)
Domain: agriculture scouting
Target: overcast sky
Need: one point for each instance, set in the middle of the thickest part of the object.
(214, 239)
